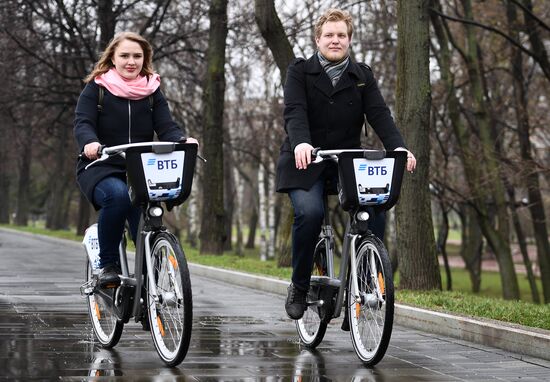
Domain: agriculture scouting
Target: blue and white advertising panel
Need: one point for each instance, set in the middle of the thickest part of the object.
(373, 180)
(163, 174)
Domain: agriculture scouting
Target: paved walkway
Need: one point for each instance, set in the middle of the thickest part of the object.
(238, 334)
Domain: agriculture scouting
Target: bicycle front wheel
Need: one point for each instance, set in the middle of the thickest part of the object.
(107, 328)
(371, 316)
(171, 312)
(312, 327)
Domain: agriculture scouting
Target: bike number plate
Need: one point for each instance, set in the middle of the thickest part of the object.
(373, 180)
(91, 243)
(163, 174)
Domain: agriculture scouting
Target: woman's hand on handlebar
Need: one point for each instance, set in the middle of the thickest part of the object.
(302, 155)
(191, 140)
(411, 160)
(91, 150)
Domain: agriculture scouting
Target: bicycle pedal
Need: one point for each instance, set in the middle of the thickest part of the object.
(87, 289)
(315, 303)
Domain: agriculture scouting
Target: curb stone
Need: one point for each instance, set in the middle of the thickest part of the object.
(513, 338)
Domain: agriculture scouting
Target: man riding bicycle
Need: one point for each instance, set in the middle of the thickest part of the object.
(326, 100)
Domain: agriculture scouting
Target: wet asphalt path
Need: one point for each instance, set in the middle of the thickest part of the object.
(238, 334)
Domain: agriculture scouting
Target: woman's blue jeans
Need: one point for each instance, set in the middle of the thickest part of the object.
(111, 194)
(308, 219)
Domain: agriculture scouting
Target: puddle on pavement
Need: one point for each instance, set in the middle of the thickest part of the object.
(51, 344)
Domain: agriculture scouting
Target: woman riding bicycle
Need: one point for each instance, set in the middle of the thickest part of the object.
(121, 103)
(326, 100)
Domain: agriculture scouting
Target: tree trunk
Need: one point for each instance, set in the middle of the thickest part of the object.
(229, 199)
(271, 210)
(251, 240)
(84, 214)
(419, 268)
(107, 22)
(471, 236)
(262, 212)
(390, 240)
(284, 243)
(537, 44)
(442, 236)
(471, 248)
(274, 34)
(499, 238)
(523, 247)
(23, 200)
(213, 214)
(536, 205)
(481, 168)
(192, 212)
(239, 187)
(5, 173)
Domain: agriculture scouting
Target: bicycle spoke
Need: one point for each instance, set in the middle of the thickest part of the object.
(371, 324)
(172, 308)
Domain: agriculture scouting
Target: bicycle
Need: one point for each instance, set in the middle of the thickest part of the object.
(158, 293)
(368, 179)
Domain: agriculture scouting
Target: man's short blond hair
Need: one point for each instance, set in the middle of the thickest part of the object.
(334, 14)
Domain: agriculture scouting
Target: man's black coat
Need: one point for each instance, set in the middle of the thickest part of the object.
(329, 117)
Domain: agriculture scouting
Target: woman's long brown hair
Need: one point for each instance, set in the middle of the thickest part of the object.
(105, 62)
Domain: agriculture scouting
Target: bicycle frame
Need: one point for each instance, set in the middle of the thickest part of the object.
(148, 226)
(347, 263)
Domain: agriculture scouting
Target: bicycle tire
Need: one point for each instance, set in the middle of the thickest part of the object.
(371, 321)
(170, 318)
(106, 327)
(311, 327)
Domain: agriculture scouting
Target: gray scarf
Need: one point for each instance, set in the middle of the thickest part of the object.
(334, 70)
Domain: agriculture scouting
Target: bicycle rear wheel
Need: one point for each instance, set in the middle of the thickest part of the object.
(107, 328)
(371, 320)
(312, 327)
(171, 315)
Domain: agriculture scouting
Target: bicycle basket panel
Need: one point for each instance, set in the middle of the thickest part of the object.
(162, 176)
(373, 180)
(368, 180)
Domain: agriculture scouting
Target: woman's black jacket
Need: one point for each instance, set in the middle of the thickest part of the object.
(119, 122)
(329, 117)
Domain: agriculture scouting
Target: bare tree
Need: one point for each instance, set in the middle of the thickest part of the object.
(213, 213)
(418, 264)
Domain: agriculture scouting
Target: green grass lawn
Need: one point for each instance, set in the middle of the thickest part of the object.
(486, 304)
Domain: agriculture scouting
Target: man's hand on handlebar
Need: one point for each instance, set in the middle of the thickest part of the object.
(302, 155)
(91, 150)
(411, 160)
(191, 140)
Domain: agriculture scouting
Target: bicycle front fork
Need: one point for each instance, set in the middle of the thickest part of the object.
(353, 270)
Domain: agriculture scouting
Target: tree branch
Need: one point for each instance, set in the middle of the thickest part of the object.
(487, 27)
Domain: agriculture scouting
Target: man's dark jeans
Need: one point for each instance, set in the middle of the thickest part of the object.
(111, 194)
(308, 219)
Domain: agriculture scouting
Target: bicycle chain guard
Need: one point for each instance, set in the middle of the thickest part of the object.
(322, 291)
(124, 302)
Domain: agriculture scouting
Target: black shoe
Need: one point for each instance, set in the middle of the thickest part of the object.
(295, 302)
(108, 276)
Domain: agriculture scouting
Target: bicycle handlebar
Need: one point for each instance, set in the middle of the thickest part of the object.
(107, 152)
(318, 155)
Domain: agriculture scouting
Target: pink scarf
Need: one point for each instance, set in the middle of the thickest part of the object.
(135, 89)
